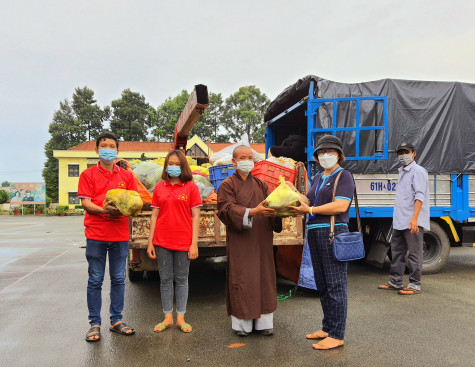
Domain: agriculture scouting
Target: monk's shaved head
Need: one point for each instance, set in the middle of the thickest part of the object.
(240, 148)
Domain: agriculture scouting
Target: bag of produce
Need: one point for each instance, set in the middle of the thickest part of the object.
(149, 174)
(204, 191)
(205, 185)
(127, 201)
(283, 161)
(282, 197)
(225, 155)
(205, 181)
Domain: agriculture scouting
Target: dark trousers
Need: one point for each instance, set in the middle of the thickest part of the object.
(331, 281)
(404, 242)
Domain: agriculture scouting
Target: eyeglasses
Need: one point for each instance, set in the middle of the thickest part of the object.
(329, 151)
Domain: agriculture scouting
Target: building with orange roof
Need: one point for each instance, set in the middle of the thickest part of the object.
(80, 157)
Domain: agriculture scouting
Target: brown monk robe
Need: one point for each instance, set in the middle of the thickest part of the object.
(251, 281)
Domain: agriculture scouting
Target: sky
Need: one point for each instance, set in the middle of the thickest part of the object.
(158, 48)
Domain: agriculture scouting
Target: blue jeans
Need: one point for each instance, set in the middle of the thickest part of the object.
(173, 265)
(96, 253)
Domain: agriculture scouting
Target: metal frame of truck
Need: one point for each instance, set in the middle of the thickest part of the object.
(452, 196)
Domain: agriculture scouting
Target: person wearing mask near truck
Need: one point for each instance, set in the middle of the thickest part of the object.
(173, 238)
(411, 216)
(107, 233)
(251, 289)
(330, 274)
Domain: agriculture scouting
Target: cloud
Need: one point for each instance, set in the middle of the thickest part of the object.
(159, 48)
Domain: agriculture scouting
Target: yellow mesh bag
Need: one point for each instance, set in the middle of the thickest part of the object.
(281, 198)
(127, 201)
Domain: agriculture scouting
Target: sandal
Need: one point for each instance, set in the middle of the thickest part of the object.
(162, 326)
(388, 286)
(122, 328)
(185, 326)
(93, 331)
(408, 291)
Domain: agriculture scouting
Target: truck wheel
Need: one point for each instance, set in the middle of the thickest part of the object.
(436, 249)
(135, 276)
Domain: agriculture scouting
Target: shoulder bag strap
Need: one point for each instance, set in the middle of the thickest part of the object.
(332, 218)
(358, 220)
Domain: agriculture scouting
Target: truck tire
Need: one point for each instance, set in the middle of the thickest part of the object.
(436, 249)
(135, 276)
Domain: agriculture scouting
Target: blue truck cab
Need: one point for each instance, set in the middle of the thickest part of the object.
(371, 119)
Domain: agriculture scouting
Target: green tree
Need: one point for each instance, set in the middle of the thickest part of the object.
(167, 115)
(89, 115)
(66, 132)
(5, 184)
(244, 113)
(131, 116)
(208, 126)
(3, 196)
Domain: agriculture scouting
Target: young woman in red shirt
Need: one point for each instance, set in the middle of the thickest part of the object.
(173, 238)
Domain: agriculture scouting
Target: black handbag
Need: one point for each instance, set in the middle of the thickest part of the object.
(347, 246)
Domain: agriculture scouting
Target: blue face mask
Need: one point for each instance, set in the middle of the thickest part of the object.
(174, 171)
(108, 155)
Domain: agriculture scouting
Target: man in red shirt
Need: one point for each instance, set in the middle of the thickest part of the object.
(107, 232)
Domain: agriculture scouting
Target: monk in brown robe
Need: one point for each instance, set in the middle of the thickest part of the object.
(251, 291)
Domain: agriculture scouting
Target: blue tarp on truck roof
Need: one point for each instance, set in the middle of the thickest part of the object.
(437, 117)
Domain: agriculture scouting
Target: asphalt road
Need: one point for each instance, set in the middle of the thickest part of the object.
(43, 313)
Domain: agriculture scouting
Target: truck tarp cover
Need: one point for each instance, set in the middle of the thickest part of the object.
(437, 117)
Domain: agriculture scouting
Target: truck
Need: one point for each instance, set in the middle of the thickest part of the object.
(212, 233)
(371, 119)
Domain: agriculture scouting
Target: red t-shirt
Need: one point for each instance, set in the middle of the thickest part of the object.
(94, 184)
(173, 229)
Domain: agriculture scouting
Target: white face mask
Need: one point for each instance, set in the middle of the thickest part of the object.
(245, 166)
(327, 161)
(405, 159)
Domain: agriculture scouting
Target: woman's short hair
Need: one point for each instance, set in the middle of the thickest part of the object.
(186, 174)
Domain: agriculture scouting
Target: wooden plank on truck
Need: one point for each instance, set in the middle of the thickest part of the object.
(212, 233)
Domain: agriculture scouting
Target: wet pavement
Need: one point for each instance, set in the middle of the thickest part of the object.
(43, 313)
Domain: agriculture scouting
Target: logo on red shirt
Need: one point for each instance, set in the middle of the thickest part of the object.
(121, 185)
(183, 197)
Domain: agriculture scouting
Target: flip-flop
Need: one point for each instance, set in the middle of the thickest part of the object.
(93, 331)
(185, 326)
(162, 326)
(408, 291)
(122, 328)
(388, 286)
